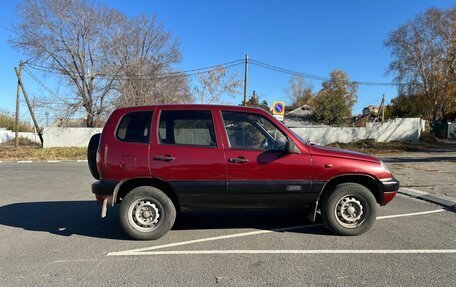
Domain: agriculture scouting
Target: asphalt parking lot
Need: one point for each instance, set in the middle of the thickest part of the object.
(51, 233)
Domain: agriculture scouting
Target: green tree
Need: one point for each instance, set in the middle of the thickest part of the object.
(333, 103)
(264, 105)
(407, 106)
(331, 109)
(254, 101)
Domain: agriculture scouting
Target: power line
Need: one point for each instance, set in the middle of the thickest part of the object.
(41, 83)
(186, 73)
(287, 71)
(318, 78)
(198, 71)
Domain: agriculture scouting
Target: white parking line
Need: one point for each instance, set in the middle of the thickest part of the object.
(147, 250)
(24, 161)
(410, 214)
(128, 252)
(324, 251)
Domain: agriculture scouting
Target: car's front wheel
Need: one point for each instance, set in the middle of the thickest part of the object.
(351, 209)
(147, 213)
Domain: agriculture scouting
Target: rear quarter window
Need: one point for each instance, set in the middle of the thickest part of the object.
(135, 127)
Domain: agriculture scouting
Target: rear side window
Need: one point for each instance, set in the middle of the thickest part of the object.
(135, 127)
(187, 128)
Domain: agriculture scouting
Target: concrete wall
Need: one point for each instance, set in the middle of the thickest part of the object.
(406, 129)
(6, 135)
(68, 137)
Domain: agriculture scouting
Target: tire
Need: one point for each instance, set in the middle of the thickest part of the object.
(92, 155)
(351, 209)
(138, 213)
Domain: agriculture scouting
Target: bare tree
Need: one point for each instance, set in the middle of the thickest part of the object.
(70, 38)
(99, 53)
(216, 83)
(147, 54)
(299, 92)
(424, 60)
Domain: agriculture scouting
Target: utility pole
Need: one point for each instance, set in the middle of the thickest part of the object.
(18, 99)
(19, 80)
(246, 77)
(33, 109)
(383, 108)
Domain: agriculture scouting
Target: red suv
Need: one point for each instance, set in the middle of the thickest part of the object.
(156, 160)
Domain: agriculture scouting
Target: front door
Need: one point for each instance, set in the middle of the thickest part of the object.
(188, 155)
(259, 171)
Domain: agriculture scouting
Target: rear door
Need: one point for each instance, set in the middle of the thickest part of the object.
(187, 153)
(125, 144)
(259, 171)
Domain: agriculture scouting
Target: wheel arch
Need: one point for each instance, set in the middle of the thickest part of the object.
(365, 180)
(125, 186)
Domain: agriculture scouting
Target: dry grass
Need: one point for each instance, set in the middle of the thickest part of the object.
(9, 122)
(372, 147)
(8, 153)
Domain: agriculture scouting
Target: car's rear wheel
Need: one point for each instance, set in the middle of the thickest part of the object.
(147, 213)
(92, 155)
(351, 209)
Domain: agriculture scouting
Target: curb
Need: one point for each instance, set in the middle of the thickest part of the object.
(42, 161)
(442, 200)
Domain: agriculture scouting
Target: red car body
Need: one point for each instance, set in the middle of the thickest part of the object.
(220, 176)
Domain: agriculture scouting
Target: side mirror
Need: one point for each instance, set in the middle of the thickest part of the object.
(290, 147)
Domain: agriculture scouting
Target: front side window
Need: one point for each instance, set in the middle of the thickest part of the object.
(251, 131)
(187, 128)
(135, 127)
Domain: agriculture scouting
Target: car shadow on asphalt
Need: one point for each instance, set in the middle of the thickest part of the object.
(64, 218)
(261, 219)
(67, 218)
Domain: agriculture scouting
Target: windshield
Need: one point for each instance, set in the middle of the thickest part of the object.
(294, 133)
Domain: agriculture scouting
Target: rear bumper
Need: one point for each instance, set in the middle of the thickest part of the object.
(104, 187)
(390, 187)
(104, 190)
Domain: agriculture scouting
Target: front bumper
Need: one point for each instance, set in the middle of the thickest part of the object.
(390, 186)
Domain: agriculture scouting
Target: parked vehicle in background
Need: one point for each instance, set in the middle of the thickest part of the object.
(156, 160)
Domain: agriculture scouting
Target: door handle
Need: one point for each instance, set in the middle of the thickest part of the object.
(165, 157)
(238, 160)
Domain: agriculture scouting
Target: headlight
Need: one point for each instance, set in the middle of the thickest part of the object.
(384, 166)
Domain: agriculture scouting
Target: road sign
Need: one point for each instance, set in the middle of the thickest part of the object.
(278, 110)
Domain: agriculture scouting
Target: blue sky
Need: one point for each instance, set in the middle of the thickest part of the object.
(313, 37)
